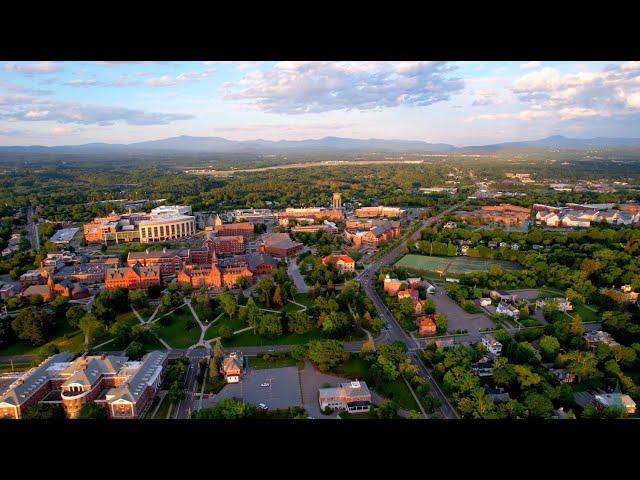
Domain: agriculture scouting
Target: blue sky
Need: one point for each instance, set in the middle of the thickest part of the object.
(462, 103)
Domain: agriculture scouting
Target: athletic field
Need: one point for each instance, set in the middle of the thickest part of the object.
(451, 265)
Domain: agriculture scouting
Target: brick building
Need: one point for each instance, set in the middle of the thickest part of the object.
(376, 235)
(244, 229)
(343, 263)
(125, 388)
(169, 261)
(134, 277)
(279, 245)
(381, 211)
(225, 246)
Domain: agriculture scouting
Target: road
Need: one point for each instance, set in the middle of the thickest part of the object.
(394, 330)
(185, 406)
(298, 279)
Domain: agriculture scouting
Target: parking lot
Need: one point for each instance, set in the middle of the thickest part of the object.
(283, 390)
(456, 316)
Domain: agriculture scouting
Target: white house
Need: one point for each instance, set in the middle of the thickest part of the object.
(430, 288)
(506, 309)
(492, 345)
(485, 302)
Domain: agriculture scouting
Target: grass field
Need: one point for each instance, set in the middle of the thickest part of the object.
(248, 339)
(65, 338)
(176, 332)
(214, 330)
(260, 362)
(451, 265)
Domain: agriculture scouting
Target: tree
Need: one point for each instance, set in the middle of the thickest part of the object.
(583, 365)
(270, 326)
(91, 327)
(388, 410)
(175, 393)
(327, 354)
(335, 324)
(278, 298)
(225, 331)
(526, 377)
(549, 348)
(299, 352)
(264, 287)
(539, 406)
(299, 323)
(577, 328)
(228, 304)
(441, 323)
(253, 314)
(154, 291)
(227, 409)
(60, 305)
(32, 325)
(135, 351)
(93, 411)
(218, 353)
(139, 298)
(74, 314)
(46, 351)
(44, 411)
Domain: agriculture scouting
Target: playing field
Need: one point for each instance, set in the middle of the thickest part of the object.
(451, 265)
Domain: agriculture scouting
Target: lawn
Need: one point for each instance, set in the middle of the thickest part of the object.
(248, 339)
(214, 330)
(176, 333)
(292, 307)
(304, 299)
(396, 390)
(451, 265)
(65, 338)
(586, 314)
(163, 410)
(272, 361)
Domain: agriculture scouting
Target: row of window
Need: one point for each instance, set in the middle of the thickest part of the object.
(186, 228)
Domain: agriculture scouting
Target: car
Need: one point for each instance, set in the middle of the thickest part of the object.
(265, 384)
(263, 406)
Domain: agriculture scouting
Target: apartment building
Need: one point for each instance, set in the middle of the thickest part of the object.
(134, 277)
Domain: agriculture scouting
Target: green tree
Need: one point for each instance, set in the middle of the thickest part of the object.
(299, 323)
(46, 351)
(139, 299)
(583, 365)
(539, 405)
(549, 348)
(32, 325)
(135, 351)
(175, 393)
(93, 411)
(228, 304)
(44, 411)
(327, 354)
(91, 327)
(227, 409)
(270, 326)
(74, 314)
(253, 314)
(264, 287)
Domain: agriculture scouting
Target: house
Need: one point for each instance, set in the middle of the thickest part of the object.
(8, 290)
(492, 244)
(426, 325)
(485, 302)
(232, 367)
(504, 308)
(503, 295)
(343, 263)
(562, 375)
(464, 250)
(414, 283)
(497, 394)
(354, 397)
(429, 288)
(493, 346)
(482, 368)
(606, 401)
(392, 285)
(450, 225)
(598, 337)
(563, 305)
(515, 246)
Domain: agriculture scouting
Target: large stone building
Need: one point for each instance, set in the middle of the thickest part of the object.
(317, 213)
(134, 277)
(170, 261)
(279, 245)
(125, 388)
(244, 229)
(504, 213)
(225, 246)
(163, 223)
(375, 236)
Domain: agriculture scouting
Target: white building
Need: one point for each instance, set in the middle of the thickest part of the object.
(172, 210)
(492, 345)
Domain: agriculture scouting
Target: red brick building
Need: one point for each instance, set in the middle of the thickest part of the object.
(244, 229)
(134, 277)
(343, 263)
(169, 261)
(227, 245)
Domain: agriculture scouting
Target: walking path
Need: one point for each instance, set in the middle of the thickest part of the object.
(294, 273)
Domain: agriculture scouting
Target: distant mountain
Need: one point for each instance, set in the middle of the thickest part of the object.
(560, 142)
(222, 145)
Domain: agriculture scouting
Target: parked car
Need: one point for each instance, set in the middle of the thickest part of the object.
(263, 406)
(265, 384)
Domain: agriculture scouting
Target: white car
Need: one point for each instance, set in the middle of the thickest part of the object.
(263, 406)
(265, 384)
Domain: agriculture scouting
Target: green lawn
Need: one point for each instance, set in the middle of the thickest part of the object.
(65, 338)
(163, 410)
(248, 339)
(214, 330)
(304, 299)
(279, 361)
(292, 307)
(586, 314)
(176, 332)
(451, 265)
(397, 390)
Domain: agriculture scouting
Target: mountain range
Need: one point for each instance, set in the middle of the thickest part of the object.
(330, 144)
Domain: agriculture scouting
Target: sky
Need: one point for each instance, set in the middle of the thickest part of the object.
(461, 103)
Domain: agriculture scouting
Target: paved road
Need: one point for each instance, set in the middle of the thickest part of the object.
(186, 406)
(32, 229)
(298, 279)
(394, 330)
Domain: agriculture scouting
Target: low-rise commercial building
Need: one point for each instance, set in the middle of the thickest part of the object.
(354, 397)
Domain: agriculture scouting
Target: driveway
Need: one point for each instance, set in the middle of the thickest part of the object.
(456, 316)
(296, 276)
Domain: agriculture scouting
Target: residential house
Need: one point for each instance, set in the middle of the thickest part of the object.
(598, 337)
(493, 346)
(354, 397)
(232, 367)
(426, 325)
(343, 263)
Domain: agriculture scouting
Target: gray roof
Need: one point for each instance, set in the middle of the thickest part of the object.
(164, 253)
(256, 259)
(96, 366)
(21, 390)
(135, 386)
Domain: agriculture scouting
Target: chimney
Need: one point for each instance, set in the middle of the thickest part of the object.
(147, 251)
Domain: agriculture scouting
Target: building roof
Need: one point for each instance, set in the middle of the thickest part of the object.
(256, 259)
(64, 235)
(22, 389)
(164, 253)
(87, 370)
(148, 370)
(347, 390)
(232, 362)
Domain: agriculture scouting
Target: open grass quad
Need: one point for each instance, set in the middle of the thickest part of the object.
(176, 333)
(453, 266)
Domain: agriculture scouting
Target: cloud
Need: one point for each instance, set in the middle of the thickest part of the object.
(168, 81)
(6, 132)
(485, 97)
(82, 83)
(62, 131)
(314, 87)
(530, 65)
(33, 68)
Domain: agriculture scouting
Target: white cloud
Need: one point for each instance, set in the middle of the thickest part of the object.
(530, 65)
(486, 96)
(314, 87)
(82, 83)
(633, 100)
(33, 68)
(61, 131)
(167, 80)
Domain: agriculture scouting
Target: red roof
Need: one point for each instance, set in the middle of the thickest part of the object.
(335, 258)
